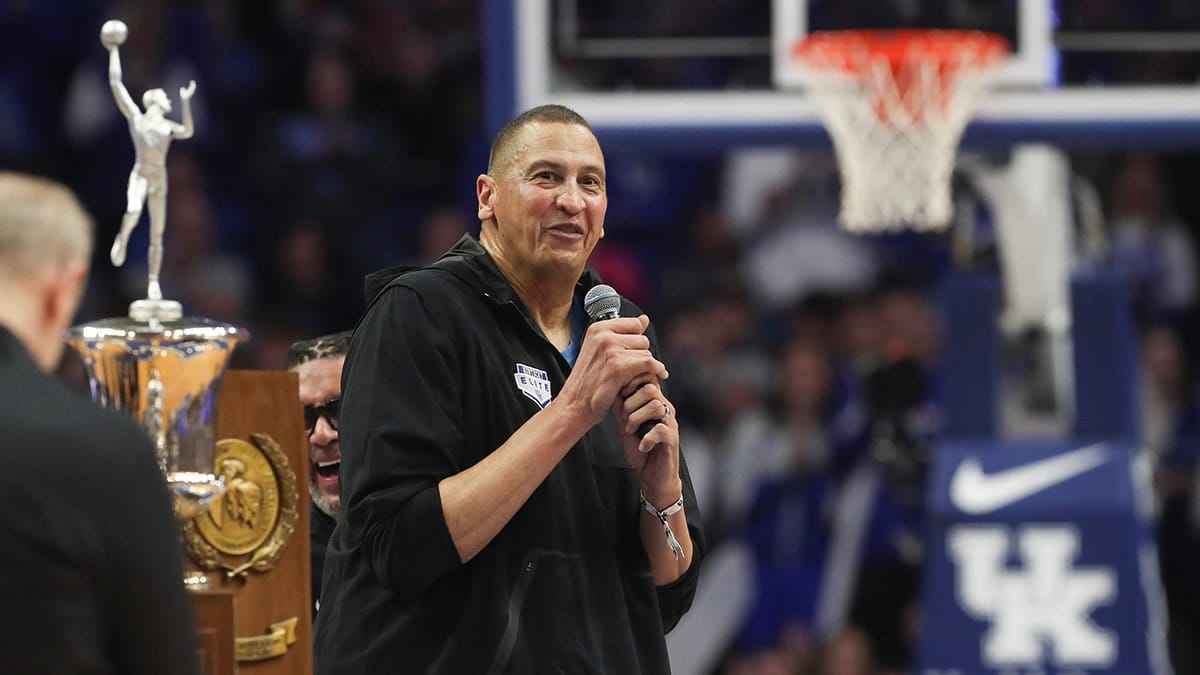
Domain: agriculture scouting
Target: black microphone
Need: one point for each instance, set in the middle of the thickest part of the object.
(602, 303)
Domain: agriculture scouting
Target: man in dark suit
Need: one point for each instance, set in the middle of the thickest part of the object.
(91, 579)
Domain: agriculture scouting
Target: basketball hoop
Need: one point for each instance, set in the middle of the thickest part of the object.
(896, 104)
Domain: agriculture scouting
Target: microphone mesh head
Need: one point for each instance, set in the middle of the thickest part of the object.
(602, 302)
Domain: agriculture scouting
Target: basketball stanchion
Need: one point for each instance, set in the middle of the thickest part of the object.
(895, 103)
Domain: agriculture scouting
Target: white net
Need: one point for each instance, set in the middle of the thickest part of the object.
(896, 116)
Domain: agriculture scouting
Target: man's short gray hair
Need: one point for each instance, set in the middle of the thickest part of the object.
(42, 225)
(504, 145)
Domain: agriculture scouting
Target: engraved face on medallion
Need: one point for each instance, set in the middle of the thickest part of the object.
(242, 519)
(247, 529)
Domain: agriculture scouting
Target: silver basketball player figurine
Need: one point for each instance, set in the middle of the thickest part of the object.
(152, 135)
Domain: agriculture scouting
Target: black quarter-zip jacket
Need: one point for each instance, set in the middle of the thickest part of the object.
(430, 387)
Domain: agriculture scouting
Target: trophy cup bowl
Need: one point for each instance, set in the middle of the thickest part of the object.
(165, 376)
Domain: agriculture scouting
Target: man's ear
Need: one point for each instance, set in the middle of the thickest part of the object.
(63, 294)
(485, 191)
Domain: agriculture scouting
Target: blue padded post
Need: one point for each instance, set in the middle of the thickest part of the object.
(1105, 346)
(970, 356)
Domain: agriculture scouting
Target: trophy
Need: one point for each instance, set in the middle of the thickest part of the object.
(232, 484)
(157, 367)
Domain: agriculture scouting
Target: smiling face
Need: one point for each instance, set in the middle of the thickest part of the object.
(321, 382)
(543, 206)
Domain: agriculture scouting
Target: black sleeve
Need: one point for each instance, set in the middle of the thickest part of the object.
(152, 618)
(401, 434)
(675, 598)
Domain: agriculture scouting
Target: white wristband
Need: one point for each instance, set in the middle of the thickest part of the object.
(676, 547)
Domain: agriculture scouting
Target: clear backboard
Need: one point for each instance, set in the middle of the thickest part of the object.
(707, 75)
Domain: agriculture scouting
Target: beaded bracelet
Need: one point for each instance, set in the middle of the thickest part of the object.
(676, 547)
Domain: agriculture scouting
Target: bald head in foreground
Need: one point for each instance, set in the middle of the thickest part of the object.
(90, 566)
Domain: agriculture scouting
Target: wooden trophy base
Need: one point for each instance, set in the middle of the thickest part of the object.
(252, 545)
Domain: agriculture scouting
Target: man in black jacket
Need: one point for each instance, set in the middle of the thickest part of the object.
(501, 514)
(318, 363)
(91, 579)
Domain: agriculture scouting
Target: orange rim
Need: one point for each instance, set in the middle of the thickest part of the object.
(852, 50)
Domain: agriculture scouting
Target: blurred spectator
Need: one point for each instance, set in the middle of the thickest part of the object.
(273, 334)
(847, 653)
(787, 530)
(748, 446)
(785, 206)
(422, 64)
(619, 266)
(788, 524)
(705, 266)
(332, 158)
(440, 230)
(805, 392)
(698, 338)
(881, 505)
(1149, 246)
(1171, 436)
(1169, 413)
(301, 278)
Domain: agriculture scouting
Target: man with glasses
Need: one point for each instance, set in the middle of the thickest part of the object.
(318, 362)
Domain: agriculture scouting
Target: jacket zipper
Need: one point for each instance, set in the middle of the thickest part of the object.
(516, 602)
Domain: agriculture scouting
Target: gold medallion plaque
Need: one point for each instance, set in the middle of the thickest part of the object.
(257, 513)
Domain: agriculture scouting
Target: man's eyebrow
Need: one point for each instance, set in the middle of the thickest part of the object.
(559, 166)
(544, 164)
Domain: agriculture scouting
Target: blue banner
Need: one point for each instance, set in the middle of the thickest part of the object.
(1041, 560)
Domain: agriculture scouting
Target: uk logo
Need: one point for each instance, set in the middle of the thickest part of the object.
(1041, 610)
(533, 383)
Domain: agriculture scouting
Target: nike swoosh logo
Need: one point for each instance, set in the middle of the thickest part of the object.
(974, 492)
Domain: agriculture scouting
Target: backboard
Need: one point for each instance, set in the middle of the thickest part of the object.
(711, 75)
